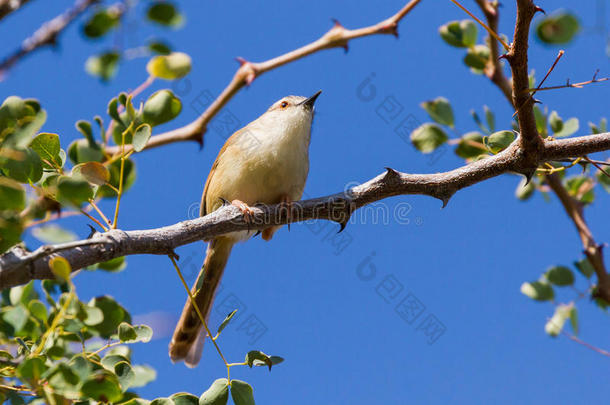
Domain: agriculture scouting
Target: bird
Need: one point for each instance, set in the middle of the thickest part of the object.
(265, 162)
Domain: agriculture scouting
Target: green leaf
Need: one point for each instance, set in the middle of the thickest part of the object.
(241, 392)
(93, 172)
(113, 110)
(467, 148)
(217, 394)
(499, 141)
(73, 190)
(428, 137)
(80, 151)
(184, 398)
(31, 369)
(161, 106)
(555, 121)
(11, 229)
(102, 386)
(560, 275)
(113, 265)
(541, 122)
(581, 188)
(254, 355)
(226, 321)
(162, 401)
(103, 65)
(20, 119)
(558, 28)
(490, 118)
(125, 374)
(60, 268)
(603, 126)
(585, 267)
(12, 195)
(114, 314)
(554, 326)
(141, 137)
(126, 332)
(38, 310)
(46, 145)
(568, 128)
(525, 190)
(462, 34)
(169, 67)
(129, 177)
(574, 319)
(159, 47)
(101, 22)
(165, 13)
(21, 164)
(604, 179)
(538, 290)
(439, 110)
(476, 58)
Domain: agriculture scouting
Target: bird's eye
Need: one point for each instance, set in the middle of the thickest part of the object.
(284, 104)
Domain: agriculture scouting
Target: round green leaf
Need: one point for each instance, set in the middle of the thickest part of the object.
(114, 314)
(144, 375)
(94, 172)
(560, 275)
(241, 392)
(21, 164)
(102, 386)
(60, 268)
(12, 195)
(126, 332)
(524, 189)
(169, 67)
(161, 106)
(81, 151)
(538, 290)
(11, 229)
(101, 22)
(160, 48)
(38, 309)
(477, 57)
(184, 398)
(141, 137)
(52, 233)
(113, 265)
(217, 394)
(428, 137)
(439, 110)
(73, 190)
(585, 267)
(47, 147)
(558, 28)
(499, 141)
(471, 145)
(568, 128)
(103, 65)
(164, 13)
(461, 34)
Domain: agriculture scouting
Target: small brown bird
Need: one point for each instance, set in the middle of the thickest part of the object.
(265, 162)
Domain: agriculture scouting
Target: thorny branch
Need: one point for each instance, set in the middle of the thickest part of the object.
(337, 37)
(19, 266)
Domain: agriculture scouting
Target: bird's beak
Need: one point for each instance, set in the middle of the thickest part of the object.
(308, 102)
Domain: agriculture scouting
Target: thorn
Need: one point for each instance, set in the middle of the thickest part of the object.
(342, 226)
(241, 61)
(391, 173)
(539, 9)
(503, 56)
(174, 255)
(529, 174)
(257, 233)
(537, 101)
(199, 140)
(336, 23)
(445, 201)
(345, 46)
(595, 75)
(389, 28)
(224, 201)
(92, 231)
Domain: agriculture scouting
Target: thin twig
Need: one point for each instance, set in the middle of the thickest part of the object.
(489, 30)
(585, 344)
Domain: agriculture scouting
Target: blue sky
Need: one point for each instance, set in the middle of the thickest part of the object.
(322, 300)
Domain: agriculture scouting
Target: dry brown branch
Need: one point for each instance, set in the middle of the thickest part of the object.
(337, 37)
(9, 6)
(45, 35)
(19, 266)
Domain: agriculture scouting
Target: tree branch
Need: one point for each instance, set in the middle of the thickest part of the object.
(336, 37)
(592, 250)
(19, 266)
(46, 35)
(531, 143)
(8, 6)
(493, 68)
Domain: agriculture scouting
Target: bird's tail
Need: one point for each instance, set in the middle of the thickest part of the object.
(187, 342)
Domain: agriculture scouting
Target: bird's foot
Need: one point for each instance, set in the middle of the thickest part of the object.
(245, 210)
(286, 203)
